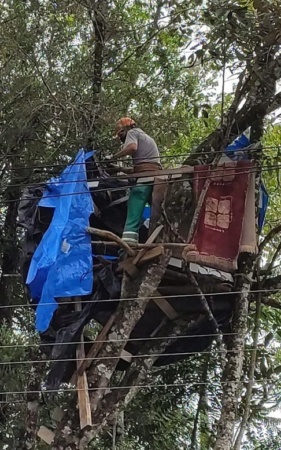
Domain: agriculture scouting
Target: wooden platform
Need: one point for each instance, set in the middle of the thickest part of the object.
(146, 177)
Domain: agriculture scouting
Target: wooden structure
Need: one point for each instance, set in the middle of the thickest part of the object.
(177, 297)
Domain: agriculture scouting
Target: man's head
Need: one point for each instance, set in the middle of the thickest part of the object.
(123, 125)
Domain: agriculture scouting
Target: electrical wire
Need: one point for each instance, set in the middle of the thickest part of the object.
(177, 171)
(122, 188)
(138, 356)
(149, 338)
(141, 386)
(108, 160)
(207, 294)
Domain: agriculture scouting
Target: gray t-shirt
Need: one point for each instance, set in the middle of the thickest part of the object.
(147, 150)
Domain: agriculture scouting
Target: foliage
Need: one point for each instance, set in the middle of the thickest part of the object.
(161, 63)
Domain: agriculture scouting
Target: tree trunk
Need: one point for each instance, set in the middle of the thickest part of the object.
(233, 370)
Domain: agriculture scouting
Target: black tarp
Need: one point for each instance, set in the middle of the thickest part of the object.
(107, 287)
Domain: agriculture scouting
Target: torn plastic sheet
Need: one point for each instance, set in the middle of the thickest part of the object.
(240, 143)
(28, 206)
(55, 185)
(107, 287)
(62, 263)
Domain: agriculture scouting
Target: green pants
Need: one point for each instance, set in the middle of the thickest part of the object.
(138, 198)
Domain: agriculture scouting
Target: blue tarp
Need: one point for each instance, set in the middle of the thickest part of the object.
(62, 263)
(234, 152)
(263, 204)
(240, 143)
(147, 212)
(55, 185)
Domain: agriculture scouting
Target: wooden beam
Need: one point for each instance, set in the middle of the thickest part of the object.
(82, 383)
(94, 350)
(152, 254)
(165, 306)
(157, 173)
(148, 174)
(150, 240)
(129, 266)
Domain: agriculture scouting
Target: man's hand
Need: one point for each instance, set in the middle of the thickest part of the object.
(111, 168)
(129, 150)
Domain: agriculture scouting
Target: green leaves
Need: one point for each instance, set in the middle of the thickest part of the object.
(160, 62)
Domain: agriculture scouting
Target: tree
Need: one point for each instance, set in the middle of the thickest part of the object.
(68, 71)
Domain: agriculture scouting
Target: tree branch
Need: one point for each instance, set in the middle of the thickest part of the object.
(113, 237)
(136, 376)
(269, 237)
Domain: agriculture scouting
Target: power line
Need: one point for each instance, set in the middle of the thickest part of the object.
(138, 356)
(207, 294)
(122, 188)
(119, 177)
(108, 160)
(149, 338)
(145, 386)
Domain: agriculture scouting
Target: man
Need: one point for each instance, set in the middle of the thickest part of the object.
(145, 156)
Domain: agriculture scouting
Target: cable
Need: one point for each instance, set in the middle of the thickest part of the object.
(146, 386)
(107, 160)
(122, 188)
(98, 358)
(118, 178)
(207, 294)
(94, 179)
(154, 338)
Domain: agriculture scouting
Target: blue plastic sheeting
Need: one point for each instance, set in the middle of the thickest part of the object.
(233, 152)
(233, 149)
(62, 263)
(263, 204)
(146, 213)
(108, 257)
(55, 185)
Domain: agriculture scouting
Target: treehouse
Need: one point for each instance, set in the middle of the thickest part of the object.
(74, 275)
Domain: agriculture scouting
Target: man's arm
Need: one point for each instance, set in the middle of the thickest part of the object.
(129, 150)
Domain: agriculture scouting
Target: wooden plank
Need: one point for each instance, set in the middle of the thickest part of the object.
(46, 435)
(129, 268)
(151, 254)
(95, 348)
(150, 240)
(82, 384)
(165, 306)
(157, 173)
(148, 255)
